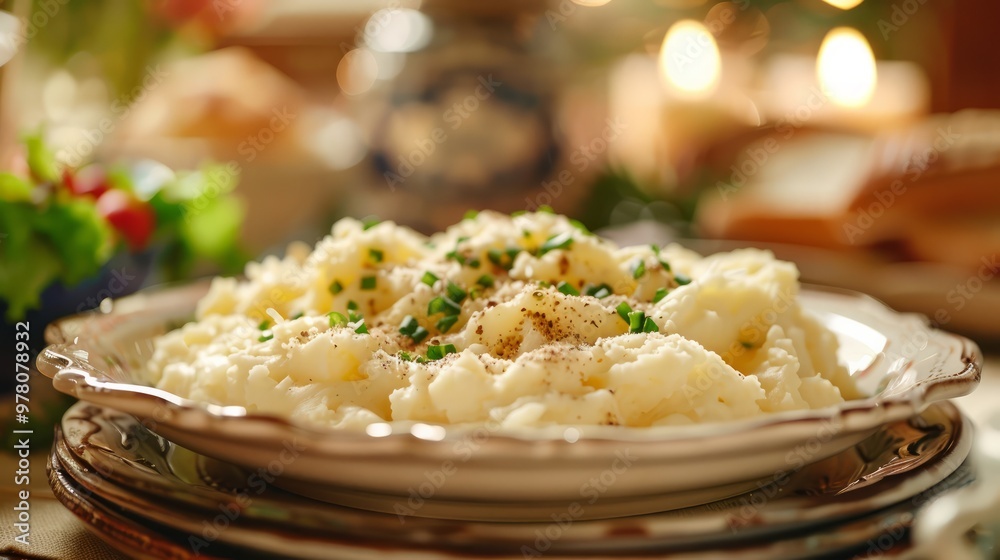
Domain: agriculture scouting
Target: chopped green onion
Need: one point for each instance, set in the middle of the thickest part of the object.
(409, 325)
(665, 265)
(517, 213)
(446, 322)
(639, 270)
(299, 315)
(419, 335)
(470, 214)
(265, 338)
(443, 305)
(368, 282)
(544, 284)
(560, 241)
(655, 248)
(623, 310)
(579, 225)
(681, 280)
(438, 352)
(336, 287)
(635, 321)
(525, 233)
(429, 278)
(412, 329)
(567, 288)
(352, 305)
(337, 319)
(546, 209)
(454, 256)
(455, 293)
(660, 294)
(264, 325)
(474, 263)
(370, 222)
(649, 325)
(406, 357)
(485, 281)
(600, 292)
(362, 328)
(376, 255)
(503, 258)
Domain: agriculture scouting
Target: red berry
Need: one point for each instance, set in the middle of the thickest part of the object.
(90, 181)
(132, 218)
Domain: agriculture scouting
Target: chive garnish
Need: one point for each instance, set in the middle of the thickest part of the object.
(455, 293)
(639, 270)
(337, 319)
(265, 338)
(438, 352)
(368, 282)
(600, 292)
(567, 288)
(681, 280)
(660, 294)
(429, 278)
(635, 321)
(370, 222)
(470, 214)
(623, 310)
(376, 255)
(443, 305)
(264, 325)
(446, 323)
(485, 281)
(560, 241)
(649, 325)
(362, 328)
(336, 287)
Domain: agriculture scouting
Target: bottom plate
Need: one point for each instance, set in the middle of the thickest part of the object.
(112, 461)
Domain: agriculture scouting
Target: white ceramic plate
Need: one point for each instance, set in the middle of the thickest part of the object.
(425, 469)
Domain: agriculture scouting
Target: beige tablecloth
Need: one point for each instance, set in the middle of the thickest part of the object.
(57, 534)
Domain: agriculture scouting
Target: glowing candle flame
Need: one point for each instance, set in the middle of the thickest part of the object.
(689, 60)
(846, 67)
(844, 4)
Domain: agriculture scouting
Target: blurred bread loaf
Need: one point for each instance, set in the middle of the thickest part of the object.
(931, 190)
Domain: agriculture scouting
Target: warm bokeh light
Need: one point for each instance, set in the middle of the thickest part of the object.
(398, 30)
(591, 3)
(357, 71)
(843, 4)
(689, 60)
(846, 67)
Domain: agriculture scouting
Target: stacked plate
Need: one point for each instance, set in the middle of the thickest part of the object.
(172, 478)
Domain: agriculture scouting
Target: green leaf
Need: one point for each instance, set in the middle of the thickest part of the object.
(14, 188)
(79, 235)
(215, 231)
(42, 163)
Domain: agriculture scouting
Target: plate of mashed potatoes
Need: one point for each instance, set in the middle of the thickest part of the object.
(508, 366)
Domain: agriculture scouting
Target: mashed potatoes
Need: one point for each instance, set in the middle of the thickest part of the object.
(525, 320)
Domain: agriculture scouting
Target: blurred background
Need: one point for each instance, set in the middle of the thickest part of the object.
(860, 139)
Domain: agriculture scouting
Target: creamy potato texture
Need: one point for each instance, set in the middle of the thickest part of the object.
(524, 320)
